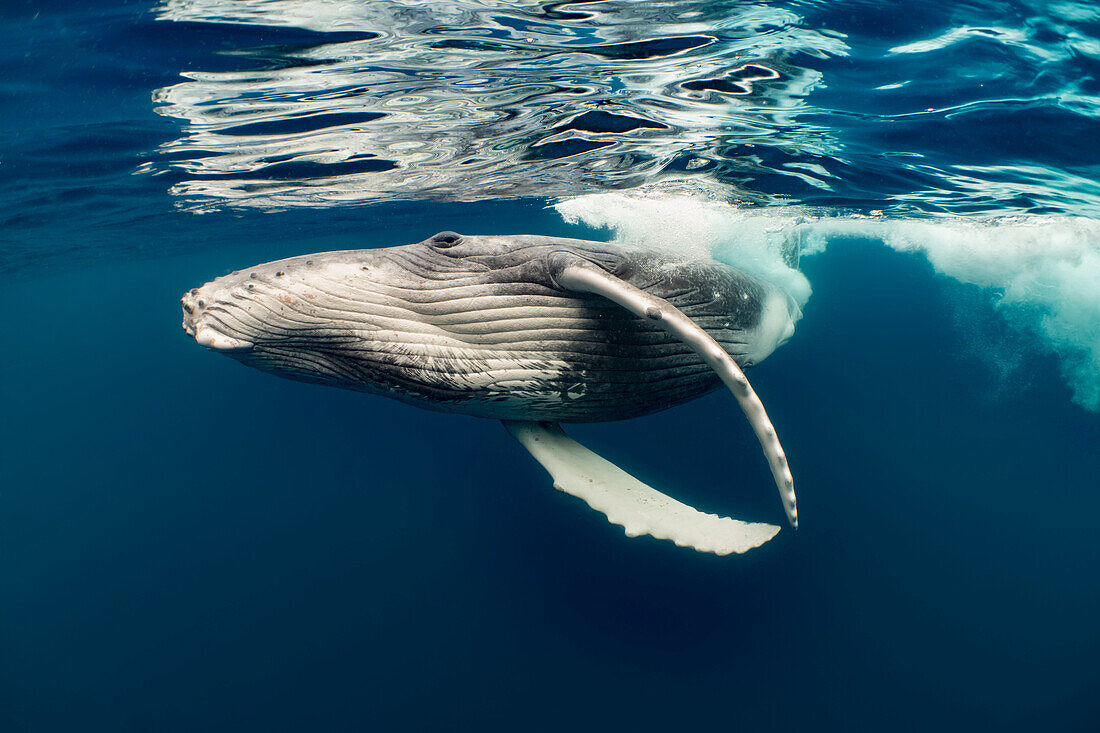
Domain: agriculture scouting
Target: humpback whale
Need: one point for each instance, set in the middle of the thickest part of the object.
(530, 330)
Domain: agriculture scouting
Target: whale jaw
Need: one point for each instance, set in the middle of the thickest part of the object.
(217, 341)
(197, 326)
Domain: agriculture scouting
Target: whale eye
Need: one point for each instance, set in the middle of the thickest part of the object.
(445, 239)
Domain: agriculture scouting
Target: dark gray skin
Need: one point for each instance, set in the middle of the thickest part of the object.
(479, 325)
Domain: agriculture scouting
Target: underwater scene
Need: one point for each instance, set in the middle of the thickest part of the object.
(905, 196)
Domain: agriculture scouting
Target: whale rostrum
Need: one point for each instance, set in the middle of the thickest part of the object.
(531, 330)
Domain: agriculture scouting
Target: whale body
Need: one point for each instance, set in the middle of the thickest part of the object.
(527, 329)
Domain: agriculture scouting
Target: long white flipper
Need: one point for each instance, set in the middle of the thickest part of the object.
(577, 274)
(628, 502)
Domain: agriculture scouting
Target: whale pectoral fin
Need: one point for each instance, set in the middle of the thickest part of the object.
(628, 502)
(579, 275)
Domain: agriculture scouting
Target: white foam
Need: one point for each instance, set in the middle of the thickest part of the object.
(1045, 275)
(699, 226)
(1041, 272)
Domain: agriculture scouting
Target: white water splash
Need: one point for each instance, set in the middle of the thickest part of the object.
(761, 241)
(1045, 270)
(1041, 272)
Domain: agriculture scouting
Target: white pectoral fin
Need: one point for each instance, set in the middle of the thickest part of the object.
(577, 274)
(628, 502)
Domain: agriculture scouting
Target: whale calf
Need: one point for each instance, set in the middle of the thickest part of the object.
(530, 330)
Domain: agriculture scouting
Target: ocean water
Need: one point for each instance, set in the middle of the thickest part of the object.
(189, 545)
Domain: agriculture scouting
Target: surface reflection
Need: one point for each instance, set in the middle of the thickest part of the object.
(470, 100)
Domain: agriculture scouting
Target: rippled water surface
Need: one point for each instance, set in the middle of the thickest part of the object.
(187, 545)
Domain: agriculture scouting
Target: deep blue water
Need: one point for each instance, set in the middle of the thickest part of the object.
(186, 544)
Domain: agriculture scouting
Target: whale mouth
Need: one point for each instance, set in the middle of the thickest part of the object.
(197, 318)
(213, 339)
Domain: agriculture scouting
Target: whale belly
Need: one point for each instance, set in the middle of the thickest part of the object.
(553, 358)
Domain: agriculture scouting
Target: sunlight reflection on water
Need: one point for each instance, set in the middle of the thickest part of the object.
(473, 100)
